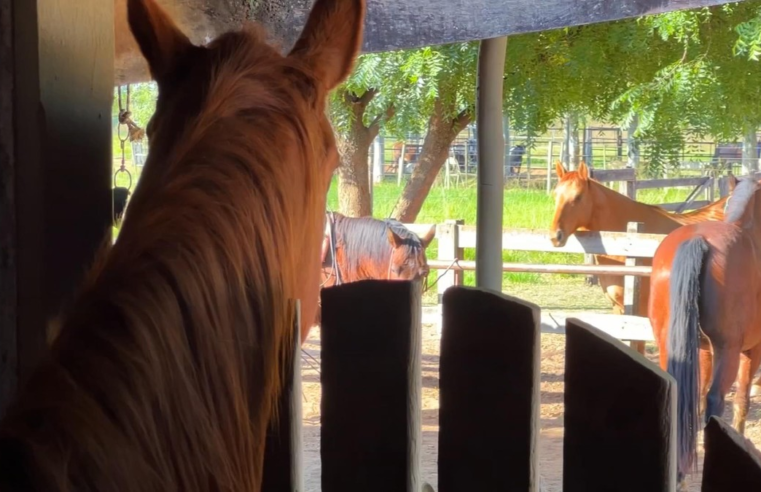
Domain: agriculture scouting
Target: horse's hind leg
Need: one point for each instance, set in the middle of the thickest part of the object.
(749, 362)
(726, 362)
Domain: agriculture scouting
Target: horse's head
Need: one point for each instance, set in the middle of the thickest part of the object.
(573, 203)
(239, 76)
(240, 101)
(408, 260)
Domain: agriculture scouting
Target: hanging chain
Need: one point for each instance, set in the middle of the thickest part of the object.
(123, 115)
(124, 119)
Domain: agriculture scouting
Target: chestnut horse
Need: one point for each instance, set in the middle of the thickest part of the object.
(583, 204)
(165, 369)
(365, 248)
(705, 308)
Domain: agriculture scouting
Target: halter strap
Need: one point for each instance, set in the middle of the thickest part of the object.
(332, 238)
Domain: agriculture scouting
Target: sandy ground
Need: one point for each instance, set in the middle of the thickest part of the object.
(551, 438)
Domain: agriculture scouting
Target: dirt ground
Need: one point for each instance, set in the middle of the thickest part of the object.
(551, 437)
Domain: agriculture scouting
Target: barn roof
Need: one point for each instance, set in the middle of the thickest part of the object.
(390, 24)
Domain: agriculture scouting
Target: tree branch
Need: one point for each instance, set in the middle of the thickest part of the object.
(375, 125)
(461, 121)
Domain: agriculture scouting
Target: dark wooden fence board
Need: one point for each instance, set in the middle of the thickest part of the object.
(619, 410)
(283, 469)
(8, 339)
(729, 465)
(371, 387)
(489, 392)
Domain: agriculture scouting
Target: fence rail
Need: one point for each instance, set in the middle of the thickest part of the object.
(454, 237)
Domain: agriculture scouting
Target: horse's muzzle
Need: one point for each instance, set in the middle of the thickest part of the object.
(559, 239)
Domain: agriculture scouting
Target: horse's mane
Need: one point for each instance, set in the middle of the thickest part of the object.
(170, 355)
(738, 201)
(365, 238)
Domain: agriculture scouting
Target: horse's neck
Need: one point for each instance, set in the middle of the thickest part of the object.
(613, 211)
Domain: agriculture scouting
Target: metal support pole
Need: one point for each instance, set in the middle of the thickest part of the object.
(491, 163)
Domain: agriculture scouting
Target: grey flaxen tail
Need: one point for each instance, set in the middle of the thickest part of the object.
(683, 345)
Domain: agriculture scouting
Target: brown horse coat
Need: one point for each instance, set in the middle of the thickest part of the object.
(163, 372)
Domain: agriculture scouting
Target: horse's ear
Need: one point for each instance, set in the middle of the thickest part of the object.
(583, 171)
(426, 240)
(160, 41)
(393, 238)
(331, 39)
(559, 169)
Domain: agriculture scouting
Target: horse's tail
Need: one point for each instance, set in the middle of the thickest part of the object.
(683, 345)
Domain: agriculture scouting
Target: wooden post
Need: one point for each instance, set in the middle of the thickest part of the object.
(371, 392)
(489, 393)
(729, 463)
(448, 234)
(619, 414)
(590, 279)
(283, 464)
(56, 93)
(632, 286)
(723, 187)
(628, 188)
(400, 169)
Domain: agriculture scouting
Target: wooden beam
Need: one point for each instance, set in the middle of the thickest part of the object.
(647, 184)
(396, 24)
(393, 24)
(469, 266)
(592, 242)
(613, 175)
(61, 71)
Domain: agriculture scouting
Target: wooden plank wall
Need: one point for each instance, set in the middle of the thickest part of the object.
(57, 70)
(8, 315)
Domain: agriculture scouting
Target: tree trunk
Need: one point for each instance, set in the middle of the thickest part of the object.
(442, 130)
(353, 189)
(750, 151)
(354, 199)
(633, 144)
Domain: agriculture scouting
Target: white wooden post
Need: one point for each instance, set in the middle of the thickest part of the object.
(400, 170)
(632, 286)
(448, 234)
